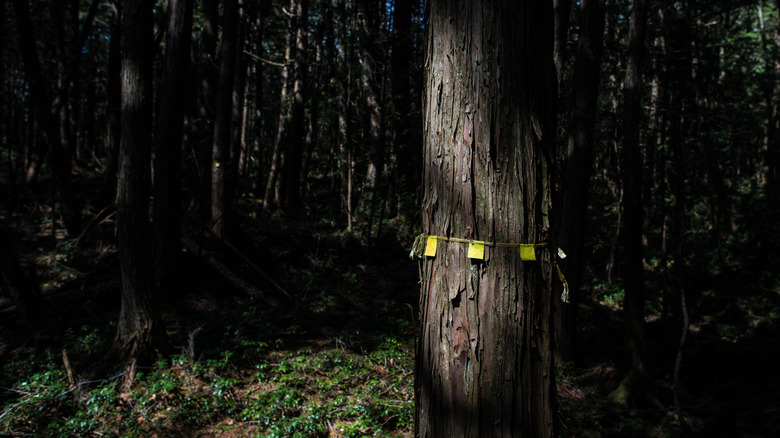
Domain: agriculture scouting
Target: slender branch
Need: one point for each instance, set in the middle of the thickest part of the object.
(245, 258)
(278, 64)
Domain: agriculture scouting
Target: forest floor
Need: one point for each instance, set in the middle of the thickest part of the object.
(333, 355)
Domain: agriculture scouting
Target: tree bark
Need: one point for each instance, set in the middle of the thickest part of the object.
(113, 112)
(221, 164)
(314, 91)
(562, 20)
(140, 334)
(572, 216)
(484, 364)
(207, 83)
(271, 197)
(344, 106)
(241, 89)
(370, 62)
(169, 131)
(291, 181)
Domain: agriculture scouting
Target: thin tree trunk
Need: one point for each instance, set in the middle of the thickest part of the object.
(3, 121)
(679, 104)
(314, 90)
(38, 88)
(140, 334)
(344, 128)
(576, 180)
(634, 385)
(168, 136)
(484, 365)
(221, 170)
(368, 26)
(291, 187)
(208, 72)
(238, 147)
(407, 148)
(113, 111)
(562, 10)
(259, 134)
(270, 199)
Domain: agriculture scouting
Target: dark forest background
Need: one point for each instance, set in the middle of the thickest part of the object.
(207, 208)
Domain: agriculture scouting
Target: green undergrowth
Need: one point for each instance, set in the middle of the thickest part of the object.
(287, 393)
(334, 358)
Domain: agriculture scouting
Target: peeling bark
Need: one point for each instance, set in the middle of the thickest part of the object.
(484, 360)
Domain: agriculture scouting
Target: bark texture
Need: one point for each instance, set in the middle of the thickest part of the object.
(291, 182)
(140, 336)
(168, 141)
(484, 361)
(221, 169)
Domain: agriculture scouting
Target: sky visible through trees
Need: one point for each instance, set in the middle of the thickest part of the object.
(222, 194)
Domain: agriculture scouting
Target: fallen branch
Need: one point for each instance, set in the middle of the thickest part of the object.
(237, 282)
(98, 219)
(243, 257)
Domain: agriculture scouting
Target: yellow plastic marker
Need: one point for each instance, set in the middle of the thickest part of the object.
(527, 253)
(477, 250)
(430, 246)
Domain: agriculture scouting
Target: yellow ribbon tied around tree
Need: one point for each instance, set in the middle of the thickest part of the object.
(427, 245)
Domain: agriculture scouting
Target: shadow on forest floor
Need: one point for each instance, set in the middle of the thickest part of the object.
(337, 359)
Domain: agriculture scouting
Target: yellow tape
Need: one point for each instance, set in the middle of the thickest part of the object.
(426, 245)
(430, 246)
(528, 252)
(477, 250)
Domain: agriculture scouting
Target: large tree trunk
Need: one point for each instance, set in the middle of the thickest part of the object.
(485, 356)
(572, 216)
(140, 335)
(167, 145)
